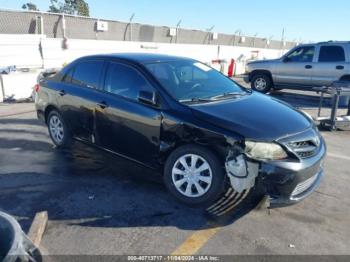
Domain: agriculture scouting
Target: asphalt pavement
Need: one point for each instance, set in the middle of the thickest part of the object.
(99, 204)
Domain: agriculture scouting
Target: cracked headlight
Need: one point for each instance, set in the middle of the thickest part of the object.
(264, 151)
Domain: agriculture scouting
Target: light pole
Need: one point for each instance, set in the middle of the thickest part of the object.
(282, 40)
(209, 31)
(239, 32)
(269, 40)
(177, 29)
(130, 25)
(254, 37)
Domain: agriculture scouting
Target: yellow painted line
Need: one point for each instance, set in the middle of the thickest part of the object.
(195, 241)
(338, 156)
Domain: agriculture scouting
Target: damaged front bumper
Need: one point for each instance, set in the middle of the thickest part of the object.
(282, 200)
(289, 183)
(286, 182)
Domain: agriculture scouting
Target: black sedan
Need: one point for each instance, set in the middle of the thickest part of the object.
(208, 135)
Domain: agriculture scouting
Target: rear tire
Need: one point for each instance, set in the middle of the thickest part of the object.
(261, 83)
(194, 175)
(58, 130)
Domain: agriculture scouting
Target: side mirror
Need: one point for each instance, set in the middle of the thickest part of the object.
(147, 97)
(286, 59)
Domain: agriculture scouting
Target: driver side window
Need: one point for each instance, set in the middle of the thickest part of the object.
(302, 54)
(123, 80)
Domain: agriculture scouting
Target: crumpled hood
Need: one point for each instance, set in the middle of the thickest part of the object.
(254, 116)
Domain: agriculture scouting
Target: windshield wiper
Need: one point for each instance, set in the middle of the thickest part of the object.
(229, 94)
(195, 100)
(212, 98)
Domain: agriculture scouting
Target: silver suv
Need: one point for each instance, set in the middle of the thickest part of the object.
(303, 67)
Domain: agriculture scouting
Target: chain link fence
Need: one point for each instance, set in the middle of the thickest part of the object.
(75, 27)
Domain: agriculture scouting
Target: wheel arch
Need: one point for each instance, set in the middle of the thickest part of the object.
(48, 109)
(345, 77)
(185, 135)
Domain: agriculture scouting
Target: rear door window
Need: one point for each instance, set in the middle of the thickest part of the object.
(88, 74)
(331, 54)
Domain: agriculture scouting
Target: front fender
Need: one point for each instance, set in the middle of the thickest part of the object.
(176, 132)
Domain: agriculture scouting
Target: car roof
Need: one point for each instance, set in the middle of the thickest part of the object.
(334, 42)
(142, 58)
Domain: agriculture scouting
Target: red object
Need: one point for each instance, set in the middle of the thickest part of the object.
(231, 68)
(37, 88)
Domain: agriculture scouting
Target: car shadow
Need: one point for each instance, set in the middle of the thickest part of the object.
(24, 121)
(85, 186)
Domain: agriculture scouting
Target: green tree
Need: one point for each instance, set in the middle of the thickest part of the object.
(82, 8)
(71, 7)
(30, 6)
(55, 6)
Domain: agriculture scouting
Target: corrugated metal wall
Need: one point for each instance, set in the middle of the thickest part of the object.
(24, 22)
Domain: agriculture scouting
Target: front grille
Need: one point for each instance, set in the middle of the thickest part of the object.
(303, 186)
(304, 149)
(304, 145)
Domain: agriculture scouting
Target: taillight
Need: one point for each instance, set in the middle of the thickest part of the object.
(37, 88)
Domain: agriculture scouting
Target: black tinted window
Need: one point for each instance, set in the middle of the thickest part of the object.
(332, 54)
(69, 76)
(88, 73)
(302, 54)
(125, 81)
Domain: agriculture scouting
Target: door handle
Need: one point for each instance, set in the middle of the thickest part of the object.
(339, 67)
(61, 92)
(308, 66)
(102, 104)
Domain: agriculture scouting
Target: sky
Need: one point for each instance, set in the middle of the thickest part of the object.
(303, 20)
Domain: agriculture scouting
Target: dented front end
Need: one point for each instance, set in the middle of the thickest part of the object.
(286, 181)
(240, 171)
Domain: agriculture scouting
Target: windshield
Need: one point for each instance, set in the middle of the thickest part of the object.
(193, 81)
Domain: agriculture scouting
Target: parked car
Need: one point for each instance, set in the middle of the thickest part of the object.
(200, 128)
(303, 67)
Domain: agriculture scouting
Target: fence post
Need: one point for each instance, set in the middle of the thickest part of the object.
(63, 25)
(2, 97)
(40, 24)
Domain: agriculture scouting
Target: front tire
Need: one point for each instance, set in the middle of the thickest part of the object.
(58, 130)
(261, 83)
(194, 175)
